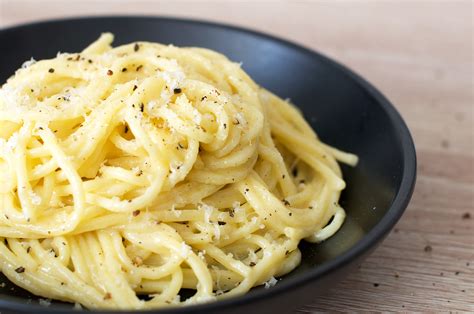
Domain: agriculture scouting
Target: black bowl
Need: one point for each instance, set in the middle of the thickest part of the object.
(344, 109)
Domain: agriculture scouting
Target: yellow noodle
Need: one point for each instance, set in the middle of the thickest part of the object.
(148, 169)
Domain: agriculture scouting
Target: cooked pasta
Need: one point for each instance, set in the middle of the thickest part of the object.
(132, 173)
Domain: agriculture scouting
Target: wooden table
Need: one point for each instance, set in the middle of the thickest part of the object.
(420, 55)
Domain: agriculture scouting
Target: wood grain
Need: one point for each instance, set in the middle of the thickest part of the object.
(420, 55)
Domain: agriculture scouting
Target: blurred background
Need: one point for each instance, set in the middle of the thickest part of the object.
(420, 55)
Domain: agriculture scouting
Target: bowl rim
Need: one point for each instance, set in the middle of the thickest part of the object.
(363, 246)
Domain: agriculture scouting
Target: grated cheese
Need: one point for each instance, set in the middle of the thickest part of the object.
(208, 210)
(28, 63)
(44, 302)
(271, 282)
(35, 198)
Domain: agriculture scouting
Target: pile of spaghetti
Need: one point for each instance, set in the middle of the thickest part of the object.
(147, 169)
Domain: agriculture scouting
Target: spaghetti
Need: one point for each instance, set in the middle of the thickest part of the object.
(147, 169)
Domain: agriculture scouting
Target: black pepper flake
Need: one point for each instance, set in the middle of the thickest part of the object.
(285, 202)
(136, 213)
(246, 190)
(290, 214)
(20, 270)
(139, 67)
(140, 172)
(142, 107)
(428, 248)
(124, 69)
(90, 61)
(110, 72)
(203, 98)
(231, 213)
(177, 90)
(51, 70)
(225, 126)
(295, 172)
(28, 249)
(258, 250)
(457, 273)
(466, 216)
(126, 129)
(376, 284)
(136, 47)
(283, 176)
(135, 87)
(310, 207)
(221, 223)
(252, 264)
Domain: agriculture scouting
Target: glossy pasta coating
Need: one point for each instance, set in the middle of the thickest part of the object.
(146, 169)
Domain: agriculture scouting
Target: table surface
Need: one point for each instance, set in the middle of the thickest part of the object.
(420, 55)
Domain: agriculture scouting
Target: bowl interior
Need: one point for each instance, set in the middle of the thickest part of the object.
(343, 112)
